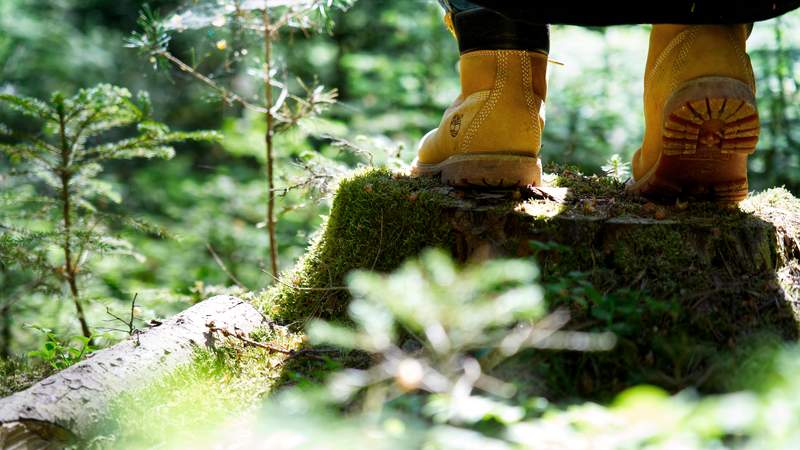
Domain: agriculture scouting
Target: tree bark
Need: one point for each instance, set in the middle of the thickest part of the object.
(70, 267)
(68, 404)
(5, 331)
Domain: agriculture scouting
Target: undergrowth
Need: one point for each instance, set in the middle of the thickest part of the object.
(18, 373)
(218, 383)
(435, 333)
(678, 318)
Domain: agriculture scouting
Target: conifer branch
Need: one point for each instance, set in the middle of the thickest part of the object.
(69, 171)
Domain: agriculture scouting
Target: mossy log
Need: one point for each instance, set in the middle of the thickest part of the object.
(69, 404)
(685, 287)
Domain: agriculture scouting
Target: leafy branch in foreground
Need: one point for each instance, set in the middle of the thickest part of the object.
(461, 324)
(433, 333)
(62, 162)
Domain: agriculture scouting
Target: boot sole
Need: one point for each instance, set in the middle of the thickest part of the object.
(484, 170)
(710, 127)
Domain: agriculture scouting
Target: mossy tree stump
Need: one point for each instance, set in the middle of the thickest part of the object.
(685, 287)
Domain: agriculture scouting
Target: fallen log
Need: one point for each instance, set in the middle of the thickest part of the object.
(67, 405)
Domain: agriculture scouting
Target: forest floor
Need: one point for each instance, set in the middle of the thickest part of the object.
(690, 289)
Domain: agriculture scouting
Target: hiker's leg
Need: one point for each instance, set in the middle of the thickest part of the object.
(479, 28)
(571, 12)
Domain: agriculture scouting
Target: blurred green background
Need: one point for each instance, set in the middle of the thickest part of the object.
(395, 67)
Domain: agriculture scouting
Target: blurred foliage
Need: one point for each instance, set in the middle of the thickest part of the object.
(433, 332)
(18, 373)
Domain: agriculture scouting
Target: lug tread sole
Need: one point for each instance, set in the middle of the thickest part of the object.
(710, 127)
(485, 170)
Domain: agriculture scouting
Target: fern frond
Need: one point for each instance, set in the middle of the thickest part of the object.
(22, 200)
(99, 109)
(101, 243)
(136, 223)
(28, 239)
(138, 147)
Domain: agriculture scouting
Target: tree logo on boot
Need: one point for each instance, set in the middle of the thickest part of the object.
(455, 124)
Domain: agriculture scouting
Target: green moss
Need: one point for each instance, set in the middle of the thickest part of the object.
(605, 197)
(583, 187)
(685, 287)
(376, 222)
(789, 282)
(198, 396)
(543, 211)
(18, 373)
(654, 248)
(680, 309)
(379, 219)
(775, 198)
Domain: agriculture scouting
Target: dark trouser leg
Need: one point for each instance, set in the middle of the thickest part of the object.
(479, 28)
(573, 12)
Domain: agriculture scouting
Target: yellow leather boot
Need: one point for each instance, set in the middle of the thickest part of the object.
(491, 135)
(700, 114)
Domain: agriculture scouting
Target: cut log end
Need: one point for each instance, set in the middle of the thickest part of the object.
(34, 435)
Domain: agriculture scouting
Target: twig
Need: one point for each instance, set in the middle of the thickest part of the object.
(283, 191)
(224, 268)
(268, 141)
(212, 327)
(263, 345)
(332, 288)
(128, 323)
(294, 13)
(353, 147)
(227, 95)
